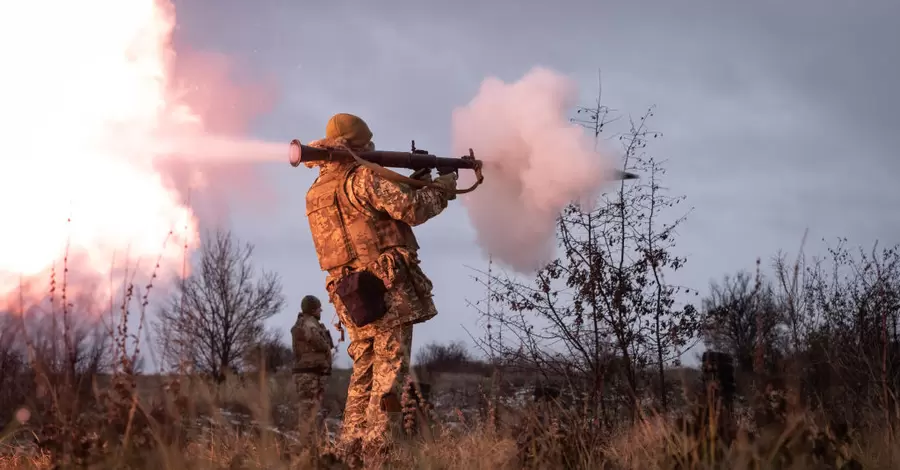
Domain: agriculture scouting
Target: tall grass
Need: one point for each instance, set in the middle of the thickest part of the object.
(73, 397)
(247, 423)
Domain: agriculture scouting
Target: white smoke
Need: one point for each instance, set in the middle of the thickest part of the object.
(536, 162)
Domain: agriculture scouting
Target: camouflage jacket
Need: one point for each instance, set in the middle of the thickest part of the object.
(379, 202)
(312, 345)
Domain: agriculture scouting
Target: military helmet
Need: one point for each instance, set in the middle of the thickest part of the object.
(309, 304)
(350, 128)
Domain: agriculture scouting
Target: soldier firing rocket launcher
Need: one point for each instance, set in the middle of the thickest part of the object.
(416, 159)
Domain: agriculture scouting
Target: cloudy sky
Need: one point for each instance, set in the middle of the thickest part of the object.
(778, 116)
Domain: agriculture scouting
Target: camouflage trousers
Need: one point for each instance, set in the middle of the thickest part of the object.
(380, 367)
(310, 394)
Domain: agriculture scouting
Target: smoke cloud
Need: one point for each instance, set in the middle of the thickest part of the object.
(536, 163)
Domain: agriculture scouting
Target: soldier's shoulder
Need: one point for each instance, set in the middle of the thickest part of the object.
(359, 179)
(360, 173)
(308, 322)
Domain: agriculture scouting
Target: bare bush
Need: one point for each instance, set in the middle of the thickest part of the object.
(602, 314)
(450, 357)
(825, 330)
(271, 354)
(15, 375)
(843, 329)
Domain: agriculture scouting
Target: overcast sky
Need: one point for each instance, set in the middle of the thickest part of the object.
(778, 116)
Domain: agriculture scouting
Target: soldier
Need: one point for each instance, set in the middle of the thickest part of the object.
(361, 222)
(312, 362)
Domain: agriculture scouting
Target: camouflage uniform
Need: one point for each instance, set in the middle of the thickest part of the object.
(313, 346)
(361, 220)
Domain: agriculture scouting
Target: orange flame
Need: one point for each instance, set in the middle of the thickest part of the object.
(85, 101)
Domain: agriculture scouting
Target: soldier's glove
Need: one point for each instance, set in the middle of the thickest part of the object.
(422, 175)
(448, 182)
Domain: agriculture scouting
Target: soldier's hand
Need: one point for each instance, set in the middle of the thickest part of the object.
(448, 182)
(422, 175)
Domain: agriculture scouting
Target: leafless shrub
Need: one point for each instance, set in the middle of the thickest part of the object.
(271, 354)
(450, 357)
(601, 317)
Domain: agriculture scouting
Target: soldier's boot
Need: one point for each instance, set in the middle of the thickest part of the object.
(350, 451)
(378, 453)
(307, 423)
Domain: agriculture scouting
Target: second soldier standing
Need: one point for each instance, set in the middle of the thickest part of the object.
(312, 346)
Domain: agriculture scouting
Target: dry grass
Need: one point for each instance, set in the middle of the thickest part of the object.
(82, 418)
(247, 424)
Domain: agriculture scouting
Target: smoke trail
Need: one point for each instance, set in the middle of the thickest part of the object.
(536, 162)
(214, 163)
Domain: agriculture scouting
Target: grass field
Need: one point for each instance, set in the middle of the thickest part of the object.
(188, 423)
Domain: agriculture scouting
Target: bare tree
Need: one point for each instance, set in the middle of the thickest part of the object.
(217, 316)
(741, 316)
(602, 309)
(671, 326)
